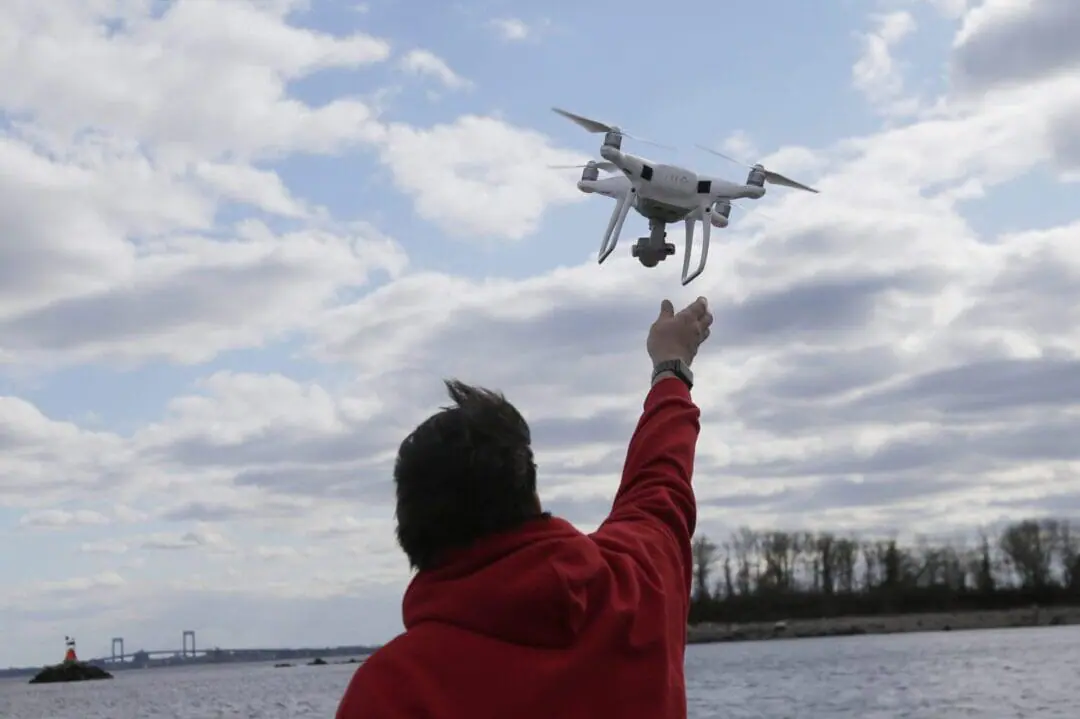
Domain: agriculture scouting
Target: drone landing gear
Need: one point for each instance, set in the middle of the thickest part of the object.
(652, 250)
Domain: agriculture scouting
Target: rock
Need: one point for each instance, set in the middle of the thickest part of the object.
(70, 672)
(282, 665)
(317, 662)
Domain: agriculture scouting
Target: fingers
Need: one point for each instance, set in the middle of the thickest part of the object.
(698, 308)
(667, 309)
(698, 313)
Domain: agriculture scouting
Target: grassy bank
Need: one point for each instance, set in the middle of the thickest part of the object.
(710, 632)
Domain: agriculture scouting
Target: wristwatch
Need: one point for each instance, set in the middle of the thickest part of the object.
(676, 367)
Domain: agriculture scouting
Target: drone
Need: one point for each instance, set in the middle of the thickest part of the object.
(664, 194)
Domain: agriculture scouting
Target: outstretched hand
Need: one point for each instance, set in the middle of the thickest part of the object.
(677, 335)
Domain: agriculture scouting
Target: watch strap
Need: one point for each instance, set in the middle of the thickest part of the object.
(676, 367)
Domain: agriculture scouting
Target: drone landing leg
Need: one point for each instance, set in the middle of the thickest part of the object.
(615, 225)
(706, 233)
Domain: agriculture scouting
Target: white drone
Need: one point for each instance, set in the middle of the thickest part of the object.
(664, 194)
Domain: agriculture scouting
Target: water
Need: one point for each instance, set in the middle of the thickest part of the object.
(1028, 673)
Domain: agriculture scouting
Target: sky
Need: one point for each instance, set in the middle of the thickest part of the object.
(242, 241)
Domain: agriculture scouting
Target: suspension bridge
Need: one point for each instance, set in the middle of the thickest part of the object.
(186, 651)
(189, 652)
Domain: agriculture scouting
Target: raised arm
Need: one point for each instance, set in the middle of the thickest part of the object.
(654, 512)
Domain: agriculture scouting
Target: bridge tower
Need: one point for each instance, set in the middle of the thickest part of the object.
(188, 634)
(118, 642)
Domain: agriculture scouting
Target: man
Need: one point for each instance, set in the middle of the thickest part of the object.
(515, 614)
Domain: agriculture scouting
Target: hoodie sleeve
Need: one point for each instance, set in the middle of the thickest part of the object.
(654, 513)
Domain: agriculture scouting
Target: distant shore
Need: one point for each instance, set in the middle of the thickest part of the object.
(708, 633)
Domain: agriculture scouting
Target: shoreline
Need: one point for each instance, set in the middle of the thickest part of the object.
(716, 632)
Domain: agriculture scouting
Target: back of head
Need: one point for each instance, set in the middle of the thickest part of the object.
(466, 472)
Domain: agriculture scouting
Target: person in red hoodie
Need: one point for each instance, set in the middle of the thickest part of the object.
(515, 614)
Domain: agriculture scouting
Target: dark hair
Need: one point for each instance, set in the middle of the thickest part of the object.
(464, 473)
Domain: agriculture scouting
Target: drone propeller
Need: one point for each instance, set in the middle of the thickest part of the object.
(748, 211)
(774, 178)
(596, 126)
(605, 166)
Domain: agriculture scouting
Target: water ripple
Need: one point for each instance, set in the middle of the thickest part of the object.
(1004, 674)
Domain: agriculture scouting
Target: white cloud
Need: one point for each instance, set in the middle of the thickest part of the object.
(951, 9)
(204, 79)
(876, 73)
(740, 146)
(105, 546)
(426, 63)
(259, 188)
(479, 177)
(144, 165)
(1002, 42)
(186, 540)
(511, 29)
(878, 361)
(62, 519)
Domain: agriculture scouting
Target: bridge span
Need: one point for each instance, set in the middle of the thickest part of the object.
(188, 652)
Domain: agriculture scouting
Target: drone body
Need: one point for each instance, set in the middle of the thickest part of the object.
(664, 194)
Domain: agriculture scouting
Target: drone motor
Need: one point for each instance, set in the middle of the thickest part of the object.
(757, 176)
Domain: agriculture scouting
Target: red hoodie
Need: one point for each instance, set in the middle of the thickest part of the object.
(545, 622)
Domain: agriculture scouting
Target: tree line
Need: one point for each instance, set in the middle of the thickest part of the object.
(775, 575)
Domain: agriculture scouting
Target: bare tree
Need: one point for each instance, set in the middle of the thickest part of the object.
(778, 574)
(780, 551)
(825, 545)
(704, 553)
(846, 551)
(1068, 549)
(1028, 546)
(985, 575)
(729, 579)
(744, 544)
(873, 557)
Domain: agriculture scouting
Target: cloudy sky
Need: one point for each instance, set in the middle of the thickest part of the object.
(242, 240)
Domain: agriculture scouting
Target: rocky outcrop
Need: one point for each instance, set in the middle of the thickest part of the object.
(70, 672)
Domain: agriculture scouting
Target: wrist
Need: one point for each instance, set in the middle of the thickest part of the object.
(661, 376)
(673, 368)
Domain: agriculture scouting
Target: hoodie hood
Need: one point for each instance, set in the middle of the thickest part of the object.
(531, 586)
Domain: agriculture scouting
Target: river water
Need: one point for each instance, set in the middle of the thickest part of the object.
(1002, 674)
